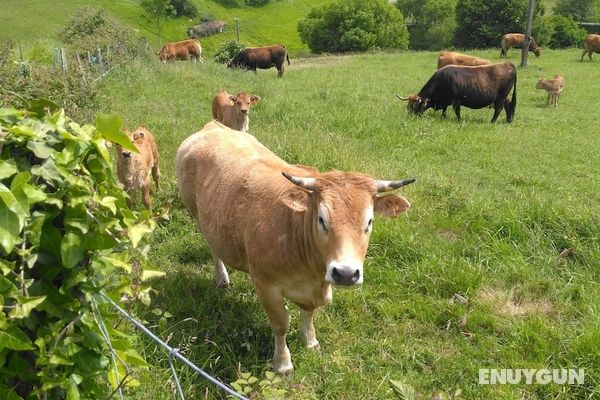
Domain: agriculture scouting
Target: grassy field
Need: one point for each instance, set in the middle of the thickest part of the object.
(492, 209)
(273, 23)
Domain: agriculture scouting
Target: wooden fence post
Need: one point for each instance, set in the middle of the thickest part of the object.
(63, 58)
(99, 55)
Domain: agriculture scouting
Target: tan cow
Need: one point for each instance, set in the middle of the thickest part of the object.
(516, 40)
(233, 111)
(134, 169)
(591, 45)
(295, 230)
(452, 58)
(554, 87)
(183, 50)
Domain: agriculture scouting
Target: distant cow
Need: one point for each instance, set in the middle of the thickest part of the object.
(591, 45)
(134, 169)
(452, 58)
(295, 230)
(554, 87)
(516, 40)
(469, 86)
(233, 111)
(183, 50)
(206, 28)
(261, 57)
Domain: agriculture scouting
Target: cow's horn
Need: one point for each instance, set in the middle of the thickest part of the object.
(401, 98)
(384, 186)
(306, 183)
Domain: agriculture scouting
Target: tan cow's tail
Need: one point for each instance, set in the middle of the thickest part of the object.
(513, 102)
(287, 56)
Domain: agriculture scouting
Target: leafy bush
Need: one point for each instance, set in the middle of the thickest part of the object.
(231, 3)
(91, 28)
(228, 50)
(435, 22)
(353, 25)
(579, 10)
(565, 32)
(20, 83)
(65, 234)
(257, 3)
(184, 8)
(481, 23)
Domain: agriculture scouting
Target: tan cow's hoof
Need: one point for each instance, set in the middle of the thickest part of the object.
(314, 345)
(222, 283)
(286, 369)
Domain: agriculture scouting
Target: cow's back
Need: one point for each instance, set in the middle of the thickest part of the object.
(592, 43)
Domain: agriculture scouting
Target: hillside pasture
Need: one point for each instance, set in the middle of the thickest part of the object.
(493, 209)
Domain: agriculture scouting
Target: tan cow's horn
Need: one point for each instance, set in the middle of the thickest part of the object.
(401, 98)
(384, 186)
(306, 183)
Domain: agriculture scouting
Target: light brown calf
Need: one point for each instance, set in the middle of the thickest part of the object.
(183, 50)
(452, 58)
(553, 87)
(233, 111)
(591, 45)
(296, 231)
(134, 169)
(516, 40)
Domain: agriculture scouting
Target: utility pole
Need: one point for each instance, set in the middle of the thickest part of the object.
(237, 28)
(525, 49)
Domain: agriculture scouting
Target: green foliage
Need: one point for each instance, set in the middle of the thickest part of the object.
(65, 234)
(231, 3)
(91, 28)
(435, 22)
(184, 8)
(228, 50)
(257, 3)
(565, 32)
(481, 23)
(579, 10)
(353, 25)
(157, 10)
(267, 388)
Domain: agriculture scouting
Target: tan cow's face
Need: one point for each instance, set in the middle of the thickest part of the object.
(242, 102)
(342, 208)
(137, 138)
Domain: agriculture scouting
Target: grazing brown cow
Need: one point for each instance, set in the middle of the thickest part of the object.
(516, 40)
(183, 50)
(133, 169)
(261, 57)
(452, 58)
(591, 45)
(233, 111)
(470, 86)
(554, 87)
(295, 230)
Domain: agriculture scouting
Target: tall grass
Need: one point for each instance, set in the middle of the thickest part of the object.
(492, 209)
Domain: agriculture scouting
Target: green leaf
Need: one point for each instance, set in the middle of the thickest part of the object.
(40, 149)
(137, 232)
(15, 339)
(72, 390)
(43, 106)
(6, 393)
(10, 226)
(7, 287)
(109, 126)
(24, 306)
(7, 168)
(115, 260)
(402, 390)
(110, 203)
(6, 267)
(71, 250)
(149, 274)
(270, 375)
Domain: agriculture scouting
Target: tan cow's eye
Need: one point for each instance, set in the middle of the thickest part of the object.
(369, 226)
(322, 224)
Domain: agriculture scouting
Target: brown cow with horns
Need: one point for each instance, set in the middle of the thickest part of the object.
(295, 230)
(261, 57)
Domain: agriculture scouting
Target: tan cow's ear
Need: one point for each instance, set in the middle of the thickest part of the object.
(254, 99)
(139, 135)
(391, 205)
(232, 98)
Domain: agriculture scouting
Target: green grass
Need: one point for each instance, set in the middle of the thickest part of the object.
(273, 23)
(492, 208)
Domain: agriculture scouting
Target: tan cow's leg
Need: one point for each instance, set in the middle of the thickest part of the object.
(273, 303)
(221, 275)
(307, 330)
(146, 195)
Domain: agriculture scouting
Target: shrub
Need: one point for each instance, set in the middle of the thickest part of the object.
(353, 25)
(231, 3)
(481, 23)
(435, 23)
(566, 32)
(228, 50)
(184, 8)
(66, 234)
(257, 3)
(579, 10)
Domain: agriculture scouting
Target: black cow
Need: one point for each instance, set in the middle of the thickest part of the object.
(470, 86)
(261, 57)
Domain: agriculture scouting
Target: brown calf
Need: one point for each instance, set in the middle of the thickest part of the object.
(183, 50)
(516, 40)
(591, 45)
(233, 111)
(452, 58)
(133, 169)
(553, 87)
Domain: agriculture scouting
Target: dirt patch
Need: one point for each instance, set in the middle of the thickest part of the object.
(504, 302)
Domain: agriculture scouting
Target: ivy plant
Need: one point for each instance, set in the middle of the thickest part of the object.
(67, 238)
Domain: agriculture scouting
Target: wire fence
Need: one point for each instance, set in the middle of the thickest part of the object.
(173, 354)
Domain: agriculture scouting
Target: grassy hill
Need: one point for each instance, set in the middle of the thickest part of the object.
(274, 23)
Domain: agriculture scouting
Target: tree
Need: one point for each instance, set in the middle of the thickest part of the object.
(435, 22)
(481, 23)
(157, 9)
(579, 10)
(353, 25)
